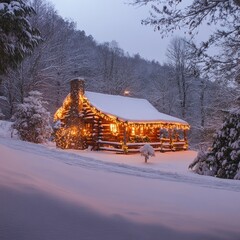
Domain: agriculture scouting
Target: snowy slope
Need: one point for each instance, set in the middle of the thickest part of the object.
(47, 193)
(171, 166)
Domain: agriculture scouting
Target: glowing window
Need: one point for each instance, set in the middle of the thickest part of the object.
(113, 128)
(133, 131)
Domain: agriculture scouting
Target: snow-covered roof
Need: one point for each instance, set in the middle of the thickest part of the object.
(128, 108)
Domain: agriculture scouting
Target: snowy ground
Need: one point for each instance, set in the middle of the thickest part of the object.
(47, 193)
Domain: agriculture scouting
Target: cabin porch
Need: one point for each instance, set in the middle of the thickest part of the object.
(130, 137)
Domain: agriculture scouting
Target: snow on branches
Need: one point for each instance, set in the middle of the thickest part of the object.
(32, 120)
(190, 16)
(17, 36)
(223, 160)
(147, 150)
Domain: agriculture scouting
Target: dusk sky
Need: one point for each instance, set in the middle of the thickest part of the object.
(108, 20)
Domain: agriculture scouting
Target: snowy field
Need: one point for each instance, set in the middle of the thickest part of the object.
(52, 194)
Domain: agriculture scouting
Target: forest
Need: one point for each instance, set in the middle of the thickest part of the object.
(176, 87)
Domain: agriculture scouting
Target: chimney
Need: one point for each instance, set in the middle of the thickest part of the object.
(77, 85)
(75, 118)
(77, 90)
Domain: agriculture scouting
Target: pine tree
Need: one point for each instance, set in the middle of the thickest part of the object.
(223, 160)
(226, 147)
(32, 120)
(17, 36)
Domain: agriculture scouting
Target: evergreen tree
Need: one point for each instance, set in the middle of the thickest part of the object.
(223, 160)
(17, 36)
(32, 120)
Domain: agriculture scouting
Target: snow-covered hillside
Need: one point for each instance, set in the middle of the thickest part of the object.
(47, 193)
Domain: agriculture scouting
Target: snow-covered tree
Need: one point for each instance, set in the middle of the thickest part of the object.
(181, 61)
(223, 160)
(17, 36)
(190, 16)
(32, 120)
(147, 150)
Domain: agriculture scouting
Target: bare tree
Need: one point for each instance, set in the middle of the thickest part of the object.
(116, 70)
(164, 89)
(168, 16)
(179, 59)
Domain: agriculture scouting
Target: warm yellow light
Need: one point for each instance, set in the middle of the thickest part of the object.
(59, 114)
(133, 131)
(113, 128)
(74, 131)
(85, 133)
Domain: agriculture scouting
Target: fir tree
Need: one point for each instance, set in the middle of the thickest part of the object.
(223, 160)
(226, 147)
(32, 120)
(17, 36)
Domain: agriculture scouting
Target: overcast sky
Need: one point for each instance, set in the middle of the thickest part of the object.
(108, 20)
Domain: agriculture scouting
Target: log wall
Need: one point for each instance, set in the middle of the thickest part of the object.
(94, 129)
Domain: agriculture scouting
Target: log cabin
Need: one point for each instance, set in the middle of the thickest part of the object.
(116, 123)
